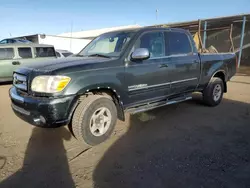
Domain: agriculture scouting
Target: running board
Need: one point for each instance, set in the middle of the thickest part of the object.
(154, 105)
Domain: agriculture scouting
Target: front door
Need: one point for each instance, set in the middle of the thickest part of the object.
(148, 79)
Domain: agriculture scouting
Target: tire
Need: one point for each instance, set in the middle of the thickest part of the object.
(213, 93)
(87, 114)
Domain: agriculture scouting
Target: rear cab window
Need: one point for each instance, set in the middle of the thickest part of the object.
(44, 52)
(6, 53)
(178, 43)
(24, 52)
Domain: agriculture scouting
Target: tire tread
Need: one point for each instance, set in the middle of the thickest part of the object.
(207, 93)
(78, 116)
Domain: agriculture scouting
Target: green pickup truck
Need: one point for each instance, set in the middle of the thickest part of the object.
(13, 56)
(122, 71)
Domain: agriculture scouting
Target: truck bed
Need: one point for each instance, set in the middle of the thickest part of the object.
(219, 62)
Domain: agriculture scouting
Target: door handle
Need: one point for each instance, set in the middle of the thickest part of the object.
(16, 63)
(163, 66)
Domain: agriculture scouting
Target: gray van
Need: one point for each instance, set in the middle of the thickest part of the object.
(13, 56)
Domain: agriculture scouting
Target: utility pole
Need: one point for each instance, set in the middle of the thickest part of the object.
(156, 14)
(71, 29)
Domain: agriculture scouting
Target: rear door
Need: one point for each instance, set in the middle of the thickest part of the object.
(184, 61)
(148, 79)
(30, 55)
(25, 56)
(7, 57)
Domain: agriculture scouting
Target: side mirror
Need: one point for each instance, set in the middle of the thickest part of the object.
(140, 54)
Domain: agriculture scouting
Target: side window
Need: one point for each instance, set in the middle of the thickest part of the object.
(178, 43)
(3, 41)
(25, 52)
(45, 52)
(6, 53)
(11, 41)
(58, 54)
(154, 42)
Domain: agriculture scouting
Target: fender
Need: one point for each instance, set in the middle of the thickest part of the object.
(225, 78)
(209, 69)
(221, 70)
(219, 66)
(89, 82)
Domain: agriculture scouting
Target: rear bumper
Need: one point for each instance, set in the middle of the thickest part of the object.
(41, 111)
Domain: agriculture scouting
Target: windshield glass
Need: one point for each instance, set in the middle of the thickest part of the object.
(109, 44)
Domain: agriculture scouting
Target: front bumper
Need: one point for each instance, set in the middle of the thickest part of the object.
(42, 111)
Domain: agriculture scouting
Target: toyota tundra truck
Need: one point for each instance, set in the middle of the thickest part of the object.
(121, 71)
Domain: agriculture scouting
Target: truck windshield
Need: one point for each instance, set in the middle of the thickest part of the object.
(109, 44)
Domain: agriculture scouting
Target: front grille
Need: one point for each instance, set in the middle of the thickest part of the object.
(20, 81)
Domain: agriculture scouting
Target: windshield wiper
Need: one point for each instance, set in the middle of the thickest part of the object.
(99, 55)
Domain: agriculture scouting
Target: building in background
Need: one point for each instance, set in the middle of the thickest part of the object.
(225, 34)
(91, 34)
(73, 42)
(63, 43)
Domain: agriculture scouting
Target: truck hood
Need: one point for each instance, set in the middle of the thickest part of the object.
(65, 63)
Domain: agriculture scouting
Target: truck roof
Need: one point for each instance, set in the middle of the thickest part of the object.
(24, 45)
(149, 28)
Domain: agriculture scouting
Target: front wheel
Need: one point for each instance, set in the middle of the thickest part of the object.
(94, 119)
(213, 93)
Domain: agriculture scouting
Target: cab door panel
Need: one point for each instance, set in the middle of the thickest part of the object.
(186, 71)
(184, 60)
(148, 79)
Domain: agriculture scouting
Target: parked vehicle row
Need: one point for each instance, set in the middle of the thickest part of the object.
(11, 41)
(15, 55)
(19, 54)
(122, 71)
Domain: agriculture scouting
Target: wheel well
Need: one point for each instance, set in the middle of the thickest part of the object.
(113, 95)
(221, 75)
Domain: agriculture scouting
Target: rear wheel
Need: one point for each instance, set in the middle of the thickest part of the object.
(213, 93)
(94, 119)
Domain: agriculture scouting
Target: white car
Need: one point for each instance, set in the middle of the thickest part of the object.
(63, 53)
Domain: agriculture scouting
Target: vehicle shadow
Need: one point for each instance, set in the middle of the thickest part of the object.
(182, 145)
(45, 162)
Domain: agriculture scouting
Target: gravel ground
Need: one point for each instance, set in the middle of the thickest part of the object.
(182, 145)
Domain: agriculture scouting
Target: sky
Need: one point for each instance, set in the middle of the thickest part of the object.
(23, 17)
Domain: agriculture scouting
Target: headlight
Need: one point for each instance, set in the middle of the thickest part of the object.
(49, 84)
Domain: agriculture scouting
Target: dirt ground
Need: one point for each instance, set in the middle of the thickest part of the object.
(182, 145)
